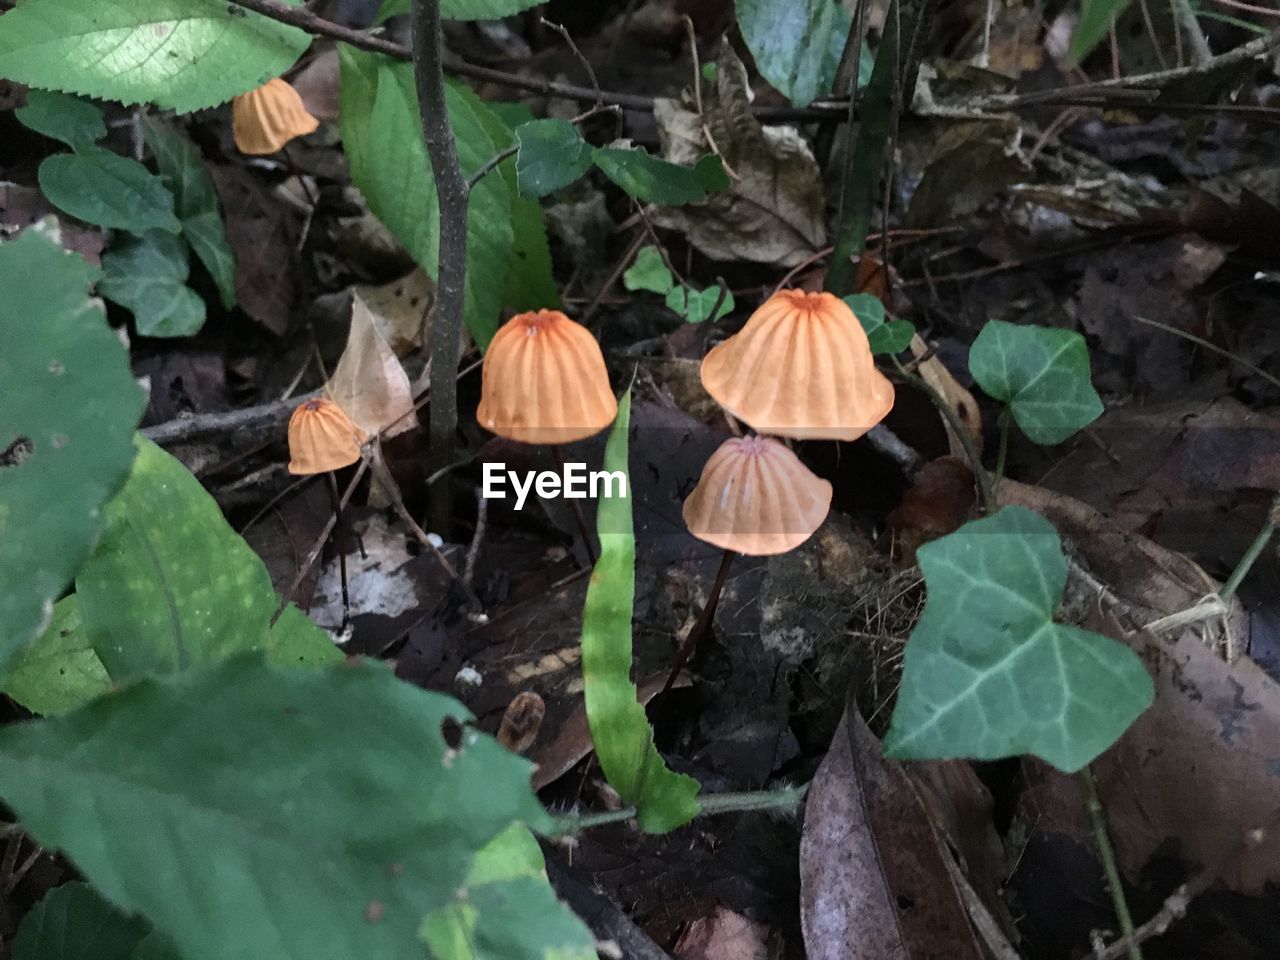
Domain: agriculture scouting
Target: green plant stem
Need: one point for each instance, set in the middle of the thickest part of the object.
(1251, 555)
(710, 806)
(985, 488)
(451, 275)
(1097, 817)
(1004, 447)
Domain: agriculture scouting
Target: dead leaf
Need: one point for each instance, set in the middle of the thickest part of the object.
(940, 500)
(934, 373)
(873, 873)
(401, 308)
(522, 721)
(320, 86)
(725, 935)
(369, 382)
(773, 212)
(967, 165)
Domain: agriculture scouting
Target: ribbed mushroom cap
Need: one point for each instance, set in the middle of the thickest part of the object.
(757, 498)
(265, 119)
(801, 367)
(544, 381)
(322, 438)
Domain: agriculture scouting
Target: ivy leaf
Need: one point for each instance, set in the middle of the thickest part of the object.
(552, 155)
(172, 585)
(107, 190)
(72, 922)
(382, 134)
(648, 272)
(987, 672)
(619, 727)
(796, 44)
(75, 122)
(148, 275)
(696, 305)
(60, 670)
(325, 812)
(1041, 373)
(181, 54)
(195, 203)
(652, 180)
(885, 336)
(68, 428)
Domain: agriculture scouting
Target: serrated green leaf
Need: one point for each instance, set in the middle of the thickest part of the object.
(182, 54)
(67, 394)
(796, 43)
(382, 134)
(460, 9)
(107, 190)
(171, 585)
(59, 116)
(552, 155)
(619, 728)
(72, 922)
(696, 305)
(1095, 21)
(60, 670)
(648, 272)
(652, 180)
(148, 274)
(988, 674)
(884, 336)
(310, 814)
(195, 202)
(1042, 374)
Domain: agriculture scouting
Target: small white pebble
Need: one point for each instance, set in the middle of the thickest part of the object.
(469, 676)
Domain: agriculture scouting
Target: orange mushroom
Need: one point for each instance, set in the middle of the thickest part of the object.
(801, 367)
(756, 497)
(265, 119)
(322, 438)
(544, 381)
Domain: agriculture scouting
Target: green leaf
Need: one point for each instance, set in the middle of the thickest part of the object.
(155, 946)
(552, 155)
(1095, 21)
(148, 275)
(696, 305)
(460, 9)
(171, 585)
(58, 116)
(1041, 373)
(796, 43)
(72, 922)
(652, 180)
(60, 670)
(182, 54)
(195, 202)
(74, 405)
(107, 190)
(885, 336)
(619, 728)
(987, 672)
(382, 135)
(247, 810)
(648, 272)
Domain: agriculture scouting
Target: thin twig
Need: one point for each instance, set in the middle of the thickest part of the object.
(451, 279)
(1188, 25)
(477, 538)
(491, 164)
(1212, 348)
(559, 28)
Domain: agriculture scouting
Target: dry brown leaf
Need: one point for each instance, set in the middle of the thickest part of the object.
(934, 373)
(401, 309)
(873, 872)
(522, 721)
(369, 383)
(725, 935)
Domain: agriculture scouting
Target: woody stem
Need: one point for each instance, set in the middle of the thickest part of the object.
(704, 620)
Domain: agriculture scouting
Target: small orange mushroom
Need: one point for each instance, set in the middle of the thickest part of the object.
(265, 119)
(322, 438)
(544, 381)
(801, 367)
(756, 497)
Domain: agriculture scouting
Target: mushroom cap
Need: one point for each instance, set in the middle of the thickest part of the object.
(544, 381)
(265, 119)
(801, 367)
(757, 498)
(322, 438)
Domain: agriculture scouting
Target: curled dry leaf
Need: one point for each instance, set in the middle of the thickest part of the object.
(873, 872)
(933, 372)
(773, 212)
(725, 935)
(521, 721)
(369, 383)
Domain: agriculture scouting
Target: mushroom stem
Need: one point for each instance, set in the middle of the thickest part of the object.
(704, 620)
(578, 515)
(341, 551)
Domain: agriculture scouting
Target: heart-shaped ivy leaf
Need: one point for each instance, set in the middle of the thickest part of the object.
(1041, 373)
(988, 673)
(885, 336)
(696, 306)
